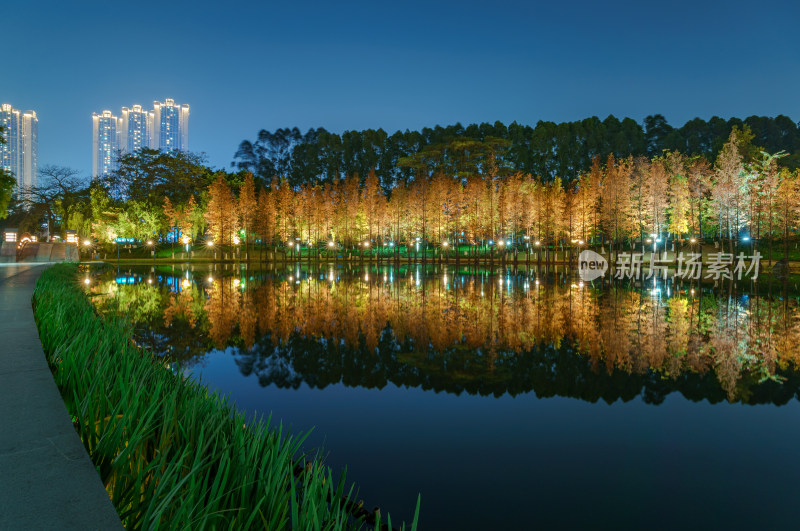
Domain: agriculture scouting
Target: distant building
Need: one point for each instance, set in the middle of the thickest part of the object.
(166, 127)
(105, 143)
(137, 126)
(170, 126)
(20, 154)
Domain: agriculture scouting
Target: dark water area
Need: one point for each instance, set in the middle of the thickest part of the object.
(509, 398)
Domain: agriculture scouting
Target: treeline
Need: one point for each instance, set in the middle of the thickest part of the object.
(462, 193)
(548, 150)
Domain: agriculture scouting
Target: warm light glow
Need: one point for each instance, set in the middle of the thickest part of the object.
(210, 243)
(331, 244)
(149, 280)
(537, 242)
(648, 240)
(236, 240)
(87, 281)
(149, 242)
(236, 282)
(366, 244)
(185, 240)
(693, 240)
(210, 278)
(501, 243)
(87, 243)
(580, 242)
(185, 283)
(444, 244)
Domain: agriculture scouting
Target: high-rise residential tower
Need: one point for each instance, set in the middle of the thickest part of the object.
(105, 143)
(137, 125)
(20, 154)
(170, 126)
(166, 127)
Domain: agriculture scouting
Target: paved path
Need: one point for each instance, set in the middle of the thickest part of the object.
(46, 478)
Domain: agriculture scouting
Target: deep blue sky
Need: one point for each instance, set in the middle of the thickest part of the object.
(399, 65)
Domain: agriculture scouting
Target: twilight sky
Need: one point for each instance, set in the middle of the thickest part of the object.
(243, 67)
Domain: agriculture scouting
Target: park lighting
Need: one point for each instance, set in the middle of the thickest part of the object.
(501, 243)
(236, 240)
(87, 281)
(331, 244)
(580, 242)
(537, 242)
(210, 279)
(185, 239)
(693, 240)
(444, 244)
(87, 243)
(746, 239)
(648, 240)
(210, 243)
(366, 244)
(185, 283)
(150, 243)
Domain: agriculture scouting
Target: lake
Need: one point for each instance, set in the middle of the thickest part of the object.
(509, 398)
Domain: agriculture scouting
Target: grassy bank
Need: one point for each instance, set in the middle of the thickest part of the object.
(170, 453)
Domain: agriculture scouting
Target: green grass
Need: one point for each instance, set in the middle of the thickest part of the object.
(170, 453)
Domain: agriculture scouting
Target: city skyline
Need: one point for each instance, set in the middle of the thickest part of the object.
(358, 65)
(165, 127)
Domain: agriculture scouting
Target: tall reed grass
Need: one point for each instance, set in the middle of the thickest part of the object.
(172, 454)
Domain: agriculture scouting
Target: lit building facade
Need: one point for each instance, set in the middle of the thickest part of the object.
(166, 127)
(105, 143)
(170, 126)
(20, 153)
(137, 126)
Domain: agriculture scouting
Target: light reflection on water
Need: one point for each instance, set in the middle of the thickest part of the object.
(356, 352)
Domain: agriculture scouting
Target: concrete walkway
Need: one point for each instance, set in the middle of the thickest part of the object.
(46, 478)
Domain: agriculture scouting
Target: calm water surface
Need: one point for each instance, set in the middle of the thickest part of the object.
(510, 399)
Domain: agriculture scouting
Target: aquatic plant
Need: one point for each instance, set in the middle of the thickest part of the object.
(171, 453)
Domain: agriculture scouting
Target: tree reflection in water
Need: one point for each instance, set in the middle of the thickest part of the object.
(474, 331)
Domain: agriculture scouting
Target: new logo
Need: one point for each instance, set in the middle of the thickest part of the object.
(591, 265)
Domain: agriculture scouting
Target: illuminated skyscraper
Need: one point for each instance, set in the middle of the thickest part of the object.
(166, 127)
(105, 143)
(137, 125)
(20, 154)
(170, 126)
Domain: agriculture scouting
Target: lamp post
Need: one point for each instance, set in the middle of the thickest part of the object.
(210, 243)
